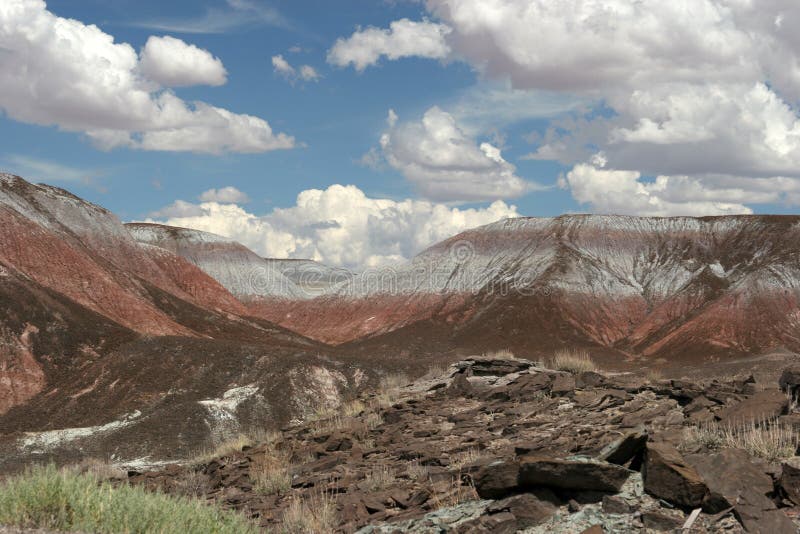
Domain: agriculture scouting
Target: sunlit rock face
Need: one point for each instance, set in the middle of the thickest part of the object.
(644, 286)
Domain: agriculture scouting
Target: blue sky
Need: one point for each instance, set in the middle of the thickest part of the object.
(338, 119)
(645, 109)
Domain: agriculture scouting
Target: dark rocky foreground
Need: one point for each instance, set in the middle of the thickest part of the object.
(505, 445)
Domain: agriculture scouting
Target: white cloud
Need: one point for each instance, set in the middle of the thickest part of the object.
(339, 226)
(697, 88)
(490, 105)
(403, 38)
(282, 66)
(237, 15)
(174, 63)
(445, 164)
(307, 73)
(42, 170)
(225, 195)
(57, 71)
(178, 209)
(625, 193)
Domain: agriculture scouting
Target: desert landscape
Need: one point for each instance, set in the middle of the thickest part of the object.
(399, 266)
(536, 375)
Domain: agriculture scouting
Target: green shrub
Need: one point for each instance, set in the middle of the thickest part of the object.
(63, 500)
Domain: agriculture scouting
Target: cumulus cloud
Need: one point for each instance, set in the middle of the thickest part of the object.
(282, 67)
(703, 89)
(57, 71)
(174, 63)
(403, 38)
(308, 73)
(445, 164)
(178, 209)
(625, 192)
(339, 226)
(225, 195)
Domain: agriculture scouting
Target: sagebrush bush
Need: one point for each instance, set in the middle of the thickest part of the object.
(66, 501)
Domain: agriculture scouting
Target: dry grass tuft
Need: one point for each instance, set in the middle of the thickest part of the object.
(502, 354)
(394, 381)
(192, 484)
(315, 514)
(417, 471)
(389, 389)
(464, 458)
(458, 493)
(353, 408)
(234, 445)
(271, 472)
(373, 420)
(768, 439)
(573, 361)
(381, 477)
(654, 375)
(223, 449)
(436, 370)
(100, 469)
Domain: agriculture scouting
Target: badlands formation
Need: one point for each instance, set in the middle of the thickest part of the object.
(572, 374)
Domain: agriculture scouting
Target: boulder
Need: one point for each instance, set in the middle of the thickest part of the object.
(658, 521)
(759, 407)
(734, 480)
(497, 479)
(528, 509)
(790, 379)
(460, 386)
(668, 476)
(789, 481)
(536, 471)
(489, 366)
(613, 504)
(625, 448)
(563, 385)
(589, 379)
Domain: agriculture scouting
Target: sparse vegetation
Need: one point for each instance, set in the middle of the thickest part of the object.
(417, 471)
(502, 354)
(271, 472)
(389, 389)
(63, 500)
(573, 361)
(380, 478)
(769, 439)
(100, 469)
(461, 459)
(459, 492)
(315, 514)
(235, 444)
(373, 420)
(192, 484)
(435, 371)
(353, 408)
(654, 375)
(394, 381)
